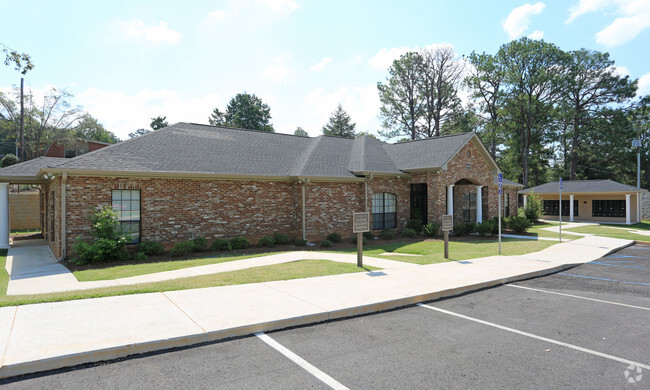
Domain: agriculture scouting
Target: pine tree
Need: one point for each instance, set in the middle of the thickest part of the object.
(340, 124)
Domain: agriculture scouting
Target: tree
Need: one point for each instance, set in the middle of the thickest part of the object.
(340, 124)
(22, 62)
(89, 128)
(300, 132)
(589, 84)
(245, 111)
(401, 100)
(8, 159)
(441, 77)
(139, 132)
(367, 134)
(158, 122)
(44, 125)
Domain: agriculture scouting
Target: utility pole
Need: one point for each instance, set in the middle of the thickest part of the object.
(22, 122)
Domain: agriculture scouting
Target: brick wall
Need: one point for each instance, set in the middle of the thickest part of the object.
(645, 206)
(24, 210)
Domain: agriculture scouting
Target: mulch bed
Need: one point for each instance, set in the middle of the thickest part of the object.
(27, 236)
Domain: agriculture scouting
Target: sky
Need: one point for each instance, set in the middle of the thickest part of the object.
(128, 61)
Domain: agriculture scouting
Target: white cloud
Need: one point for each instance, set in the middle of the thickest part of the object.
(155, 34)
(536, 35)
(644, 85)
(321, 64)
(633, 17)
(217, 15)
(281, 5)
(123, 113)
(277, 69)
(519, 18)
(621, 71)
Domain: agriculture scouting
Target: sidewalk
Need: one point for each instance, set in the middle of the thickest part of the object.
(52, 335)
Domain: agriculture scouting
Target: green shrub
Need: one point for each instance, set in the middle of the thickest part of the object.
(199, 244)
(533, 208)
(140, 256)
(182, 248)
(8, 159)
(487, 228)
(239, 243)
(431, 229)
(220, 244)
(519, 224)
(415, 224)
(281, 239)
(410, 233)
(460, 230)
(108, 244)
(388, 234)
(334, 237)
(368, 235)
(300, 242)
(326, 243)
(354, 240)
(150, 248)
(470, 227)
(266, 241)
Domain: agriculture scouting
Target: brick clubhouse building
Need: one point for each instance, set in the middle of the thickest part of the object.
(190, 180)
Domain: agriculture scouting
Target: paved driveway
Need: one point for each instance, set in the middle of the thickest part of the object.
(584, 328)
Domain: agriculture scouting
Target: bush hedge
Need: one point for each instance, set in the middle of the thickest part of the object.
(388, 234)
(518, 224)
(300, 242)
(281, 239)
(415, 224)
(410, 233)
(150, 248)
(182, 248)
(266, 241)
(431, 229)
(368, 235)
(199, 244)
(326, 243)
(239, 243)
(220, 244)
(334, 237)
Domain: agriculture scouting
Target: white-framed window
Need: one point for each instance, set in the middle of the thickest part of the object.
(127, 204)
(384, 206)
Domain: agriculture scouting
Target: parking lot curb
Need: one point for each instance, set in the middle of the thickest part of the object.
(134, 349)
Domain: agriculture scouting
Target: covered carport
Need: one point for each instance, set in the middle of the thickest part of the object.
(22, 173)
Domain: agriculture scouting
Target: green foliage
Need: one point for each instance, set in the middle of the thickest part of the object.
(460, 230)
(158, 122)
(518, 224)
(410, 233)
(151, 248)
(140, 256)
(363, 239)
(220, 244)
(182, 248)
(8, 159)
(266, 241)
(326, 243)
(488, 227)
(334, 237)
(21, 62)
(415, 224)
(239, 243)
(387, 234)
(340, 124)
(533, 208)
(139, 132)
(300, 242)
(368, 235)
(107, 244)
(90, 128)
(300, 132)
(431, 229)
(245, 111)
(199, 244)
(281, 239)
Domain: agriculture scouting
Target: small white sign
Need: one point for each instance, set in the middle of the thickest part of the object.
(360, 222)
(447, 222)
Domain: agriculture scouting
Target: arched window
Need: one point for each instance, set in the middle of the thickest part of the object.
(383, 211)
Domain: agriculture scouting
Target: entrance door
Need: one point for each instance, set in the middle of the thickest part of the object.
(419, 209)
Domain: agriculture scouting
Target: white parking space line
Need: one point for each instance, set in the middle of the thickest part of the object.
(576, 296)
(328, 380)
(545, 339)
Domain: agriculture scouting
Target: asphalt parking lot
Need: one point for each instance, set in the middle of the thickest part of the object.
(583, 328)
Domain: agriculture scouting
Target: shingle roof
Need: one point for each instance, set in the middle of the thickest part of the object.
(580, 186)
(201, 149)
(31, 167)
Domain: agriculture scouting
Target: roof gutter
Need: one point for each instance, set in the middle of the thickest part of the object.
(64, 239)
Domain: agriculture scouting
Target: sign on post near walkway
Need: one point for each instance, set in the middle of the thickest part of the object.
(360, 225)
(447, 225)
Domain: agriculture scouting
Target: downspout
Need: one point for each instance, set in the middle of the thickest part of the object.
(365, 199)
(64, 243)
(303, 182)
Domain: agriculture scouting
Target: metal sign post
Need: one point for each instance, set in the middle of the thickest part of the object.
(447, 225)
(560, 210)
(360, 224)
(500, 192)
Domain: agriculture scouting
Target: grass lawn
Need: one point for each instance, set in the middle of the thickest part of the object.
(124, 271)
(4, 276)
(285, 271)
(616, 231)
(536, 230)
(433, 251)
(25, 231)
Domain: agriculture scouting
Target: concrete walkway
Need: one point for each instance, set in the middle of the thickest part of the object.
(34, 270)
(52, 335)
